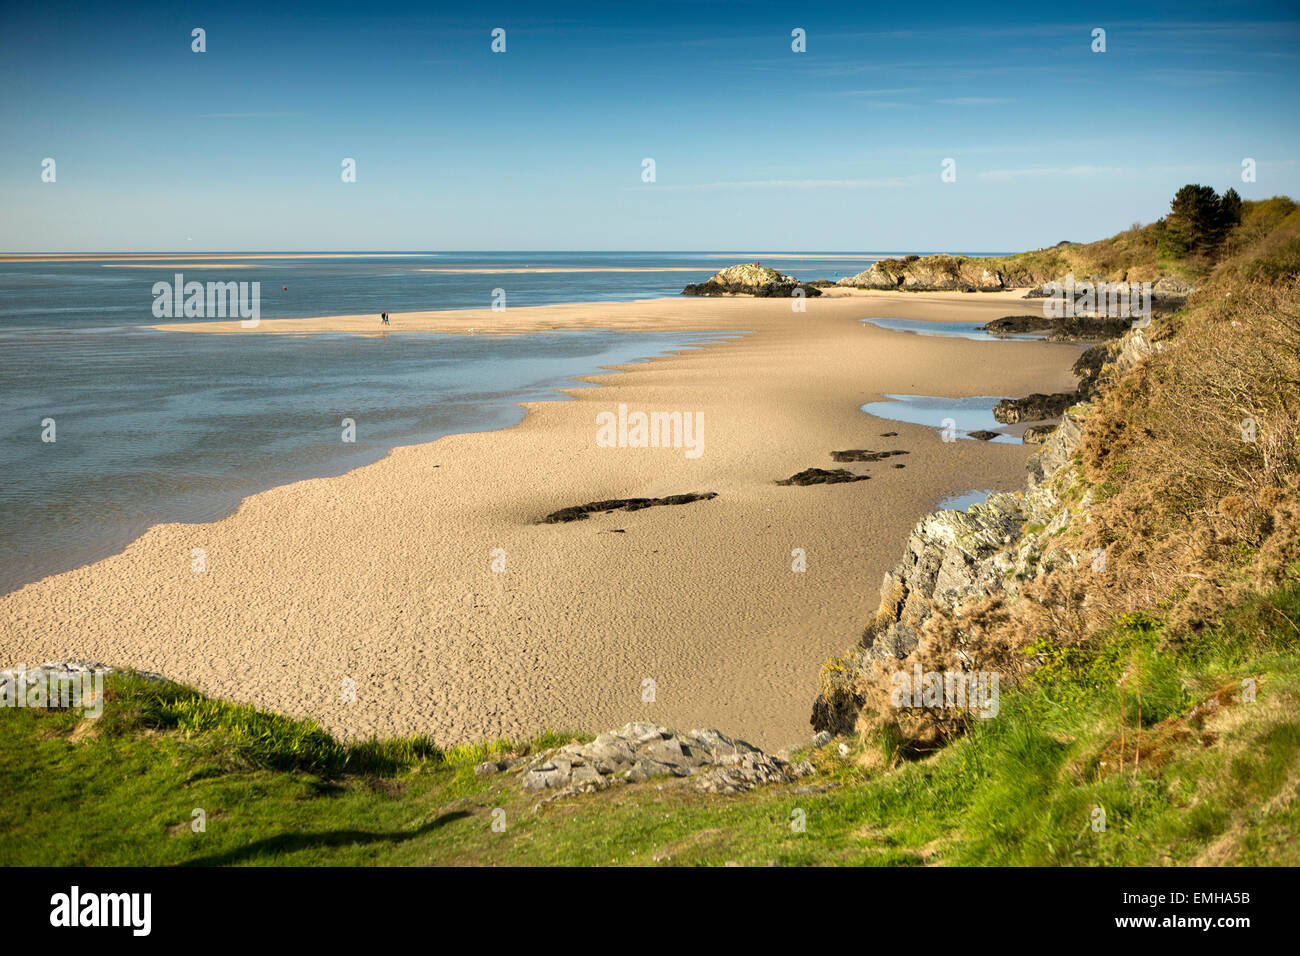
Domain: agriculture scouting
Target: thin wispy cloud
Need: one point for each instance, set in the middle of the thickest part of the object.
(973, 101)
(890, 182)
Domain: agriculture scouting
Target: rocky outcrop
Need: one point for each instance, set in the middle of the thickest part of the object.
(946, 273)
(643, 751)
(1020, 325)
(947, 560)
(1170, 286)
(1066, 329)
(1033, 408)
(953, 557)
(940, 273)
(19, 679)
(1056, 453)
(755, 280)
(1091, 367)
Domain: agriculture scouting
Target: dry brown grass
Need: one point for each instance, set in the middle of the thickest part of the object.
(1196, 459)
(1192, 515)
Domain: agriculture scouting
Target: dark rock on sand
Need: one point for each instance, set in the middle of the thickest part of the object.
(864, 454)
(820, 476)
(1033, 408)
(579, 512)
(1019, 324)
(1069, 329)
(982, 435)
(1076, 329)
(1037, 434)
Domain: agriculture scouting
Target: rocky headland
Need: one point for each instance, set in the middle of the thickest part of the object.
(1031, 271)
(755, 280)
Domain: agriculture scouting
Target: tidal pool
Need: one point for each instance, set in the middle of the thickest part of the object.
(973, 413)
(961, 502)
(952, 330)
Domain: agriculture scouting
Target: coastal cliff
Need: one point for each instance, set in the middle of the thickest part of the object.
(1165, 504)
(993, 548)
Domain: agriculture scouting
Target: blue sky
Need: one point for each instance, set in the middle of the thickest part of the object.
(755, 146)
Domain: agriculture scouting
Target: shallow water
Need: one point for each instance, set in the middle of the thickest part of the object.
(152, 427)
(963, 501)
(952, 330)
(973, 413)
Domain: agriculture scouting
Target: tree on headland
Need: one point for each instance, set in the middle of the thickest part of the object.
(1198, 220)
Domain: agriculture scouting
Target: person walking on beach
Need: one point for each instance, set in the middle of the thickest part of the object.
(384, 317)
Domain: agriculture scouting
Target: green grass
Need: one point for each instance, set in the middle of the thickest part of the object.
(1264, 245)
(1017, 789)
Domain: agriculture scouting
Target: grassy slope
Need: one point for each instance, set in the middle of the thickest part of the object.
(1269, 229)
(1019, 789)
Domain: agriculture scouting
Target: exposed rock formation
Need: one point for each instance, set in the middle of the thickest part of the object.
(1037, 434)
(953, 557)
(748, 279)
(1033, 408)
(641, 751)
(1067, 329)
(17, 680)
(929, 273)
(822, 476)
(580, 512)
(864, 454)
(943, 273)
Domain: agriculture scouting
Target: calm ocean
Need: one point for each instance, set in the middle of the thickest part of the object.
(153, 426)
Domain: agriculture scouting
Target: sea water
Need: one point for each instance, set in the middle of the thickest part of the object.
(153, 427)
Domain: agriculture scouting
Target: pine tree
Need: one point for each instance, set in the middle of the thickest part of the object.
(1198, 220)
(1230, 210)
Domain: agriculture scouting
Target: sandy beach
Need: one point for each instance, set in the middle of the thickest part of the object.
(384, 576)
